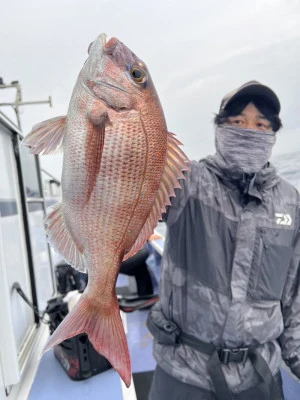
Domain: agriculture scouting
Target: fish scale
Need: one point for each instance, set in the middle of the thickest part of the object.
(120, 168)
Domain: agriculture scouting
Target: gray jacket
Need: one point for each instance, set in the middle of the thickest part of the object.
(230, 272)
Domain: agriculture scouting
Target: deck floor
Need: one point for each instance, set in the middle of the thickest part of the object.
(52, 382)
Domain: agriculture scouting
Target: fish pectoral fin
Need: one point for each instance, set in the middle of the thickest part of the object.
(61, 239)
(47, 136)
(176, 162)
(104, 328)
(94, 142)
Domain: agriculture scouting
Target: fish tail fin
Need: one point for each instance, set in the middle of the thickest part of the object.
(104, 328)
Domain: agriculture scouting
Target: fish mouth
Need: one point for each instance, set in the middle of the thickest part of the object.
(108, 46)
(95, 81)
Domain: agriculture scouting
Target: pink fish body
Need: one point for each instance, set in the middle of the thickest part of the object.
(120, 168)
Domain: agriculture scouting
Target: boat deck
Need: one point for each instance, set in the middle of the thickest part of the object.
(52, 382)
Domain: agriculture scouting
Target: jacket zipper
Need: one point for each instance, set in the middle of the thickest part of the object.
(171, 306)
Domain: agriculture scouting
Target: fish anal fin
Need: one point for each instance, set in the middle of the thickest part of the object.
(105, 331)
(176, 162)
(61, 240)
(47, 136)
(93, 147)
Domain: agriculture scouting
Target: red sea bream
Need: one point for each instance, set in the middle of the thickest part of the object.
(119, 170)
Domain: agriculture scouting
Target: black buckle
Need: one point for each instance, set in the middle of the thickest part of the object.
(233, 355)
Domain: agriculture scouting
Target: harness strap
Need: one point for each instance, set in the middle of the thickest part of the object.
(168, 333)
(217, 376)
(219, 356)
(265, 375)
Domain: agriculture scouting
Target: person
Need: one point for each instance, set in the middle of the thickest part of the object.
(136, 266)
(229, 306)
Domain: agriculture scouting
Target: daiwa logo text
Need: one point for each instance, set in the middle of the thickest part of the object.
(283, 219)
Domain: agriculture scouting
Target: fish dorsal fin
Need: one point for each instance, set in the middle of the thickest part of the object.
(176, 162)
(47, 136)
(60, 238)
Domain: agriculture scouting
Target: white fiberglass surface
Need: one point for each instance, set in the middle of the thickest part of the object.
(14, 258)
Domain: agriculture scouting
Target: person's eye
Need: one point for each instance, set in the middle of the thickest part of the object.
(237, 121)
(261, 125)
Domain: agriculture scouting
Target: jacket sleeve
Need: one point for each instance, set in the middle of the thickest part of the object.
(290, 338)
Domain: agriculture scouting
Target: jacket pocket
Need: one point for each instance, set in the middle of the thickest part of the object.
(271, 260)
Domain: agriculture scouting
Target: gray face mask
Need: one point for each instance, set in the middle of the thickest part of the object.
(244, 150)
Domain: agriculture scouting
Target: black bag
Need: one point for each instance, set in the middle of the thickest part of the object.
(76, 355)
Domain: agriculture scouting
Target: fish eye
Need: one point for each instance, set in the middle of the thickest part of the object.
(138, 75)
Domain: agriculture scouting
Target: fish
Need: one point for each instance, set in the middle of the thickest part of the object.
(120, 168)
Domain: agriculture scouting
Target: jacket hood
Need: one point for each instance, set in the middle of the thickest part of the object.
(251, 184)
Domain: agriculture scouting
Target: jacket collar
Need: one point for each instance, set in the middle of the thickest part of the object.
(251, 184)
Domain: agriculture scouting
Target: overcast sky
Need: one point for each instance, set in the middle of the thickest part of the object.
(196, 52)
